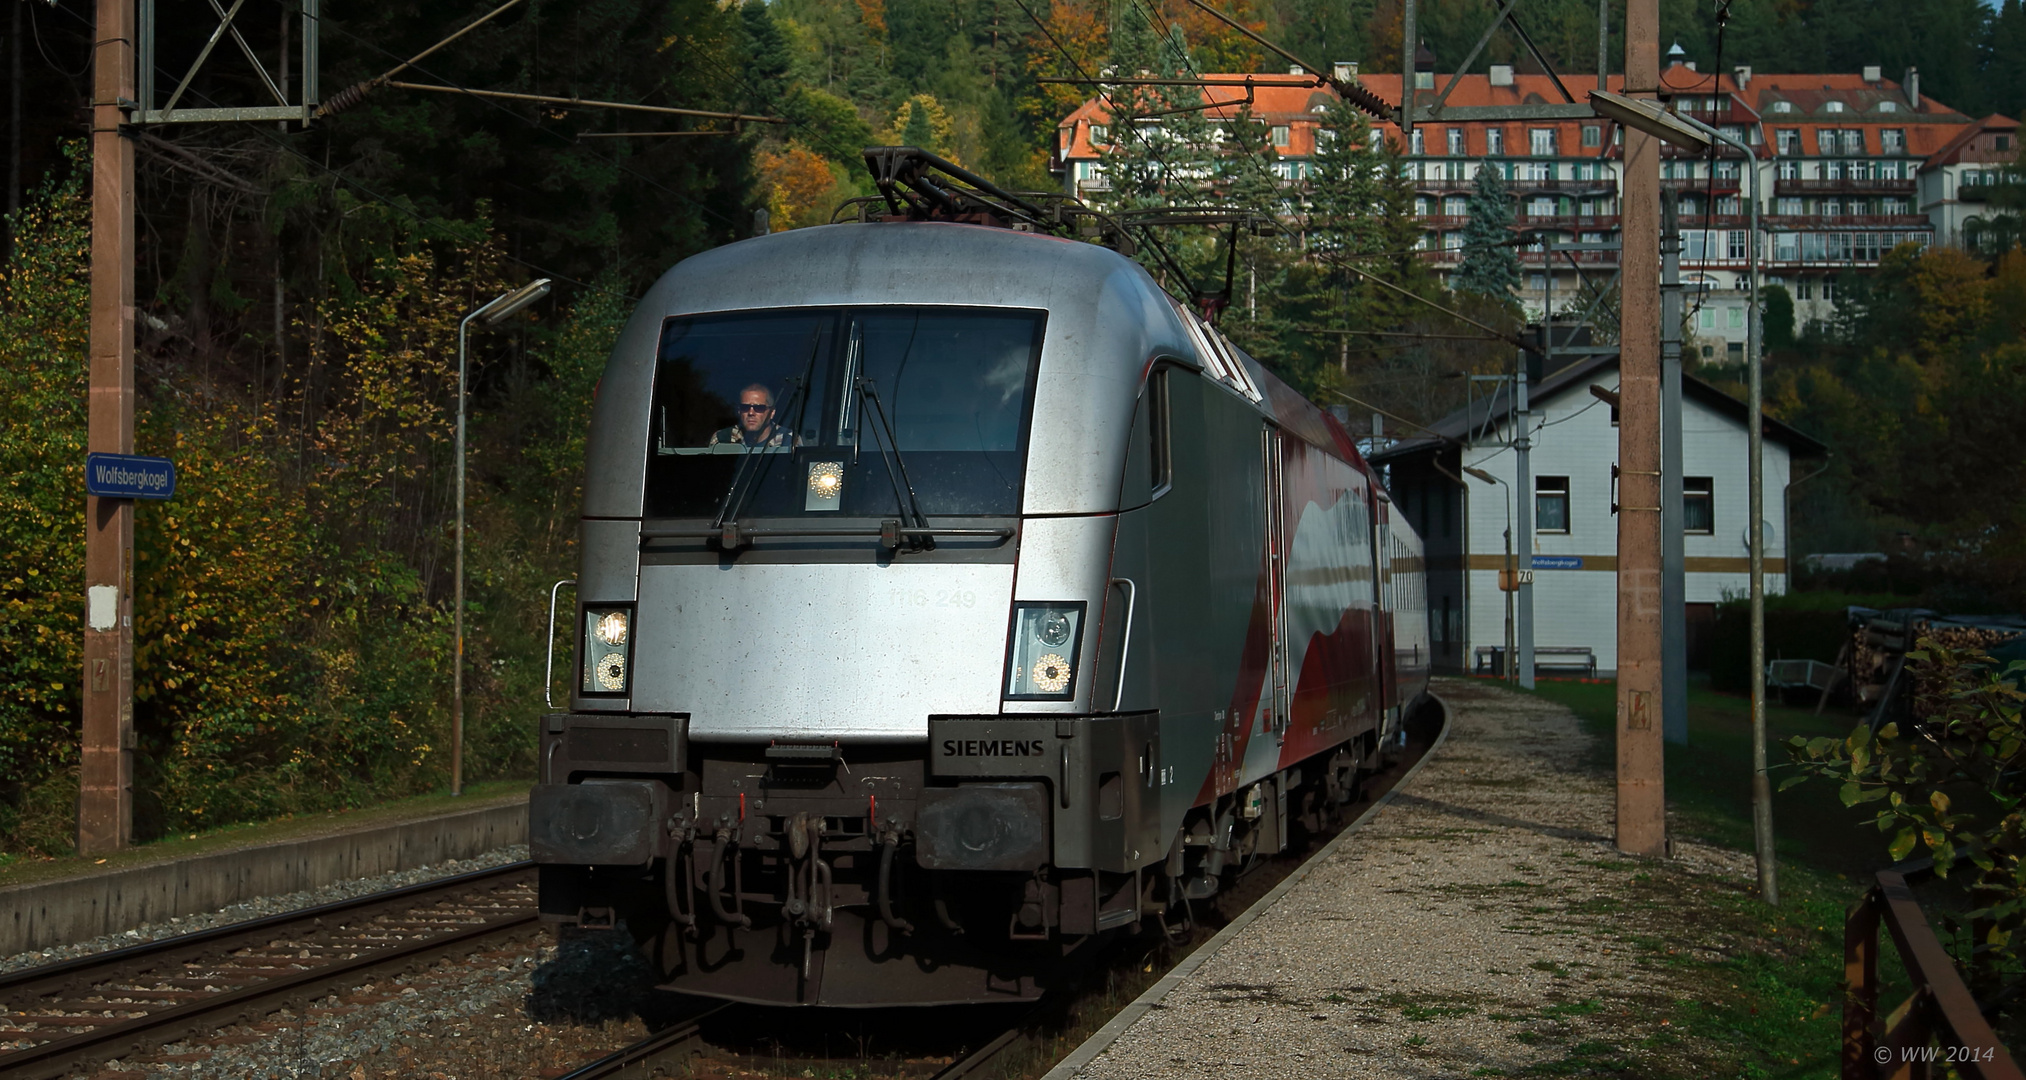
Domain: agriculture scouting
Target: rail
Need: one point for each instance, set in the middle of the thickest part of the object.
(157, 992)
(1940, 1024)
(672, 1043)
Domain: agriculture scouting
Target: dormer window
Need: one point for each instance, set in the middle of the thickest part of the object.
(1834, 106)
(1888, 106)
(1783, 106)
(1098, 135)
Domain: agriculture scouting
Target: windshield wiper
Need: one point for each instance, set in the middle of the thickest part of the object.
(920, 537)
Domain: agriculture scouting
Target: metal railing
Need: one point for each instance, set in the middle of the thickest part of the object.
(1843, 185)
(1940, 1024)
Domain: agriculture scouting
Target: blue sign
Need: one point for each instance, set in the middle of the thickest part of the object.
(124, 476)
(1558, 562)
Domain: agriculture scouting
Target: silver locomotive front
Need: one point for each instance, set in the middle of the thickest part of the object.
(845, 484)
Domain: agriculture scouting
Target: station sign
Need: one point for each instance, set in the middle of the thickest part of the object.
(1558, 562)
(127, 476)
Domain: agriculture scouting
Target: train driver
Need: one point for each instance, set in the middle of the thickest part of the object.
(755, 426)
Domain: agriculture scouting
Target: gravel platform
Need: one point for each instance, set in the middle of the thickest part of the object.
(1465, 931)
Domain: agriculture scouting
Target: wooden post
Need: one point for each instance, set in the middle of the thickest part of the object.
(1642, 800)
(105, 812)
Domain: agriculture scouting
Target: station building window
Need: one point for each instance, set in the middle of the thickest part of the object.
(1551, 504)
(1698, 505)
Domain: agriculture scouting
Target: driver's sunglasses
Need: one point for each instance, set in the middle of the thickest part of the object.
(747, 406)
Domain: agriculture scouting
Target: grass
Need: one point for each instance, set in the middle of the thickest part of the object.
(27, 869)
(1759, 986)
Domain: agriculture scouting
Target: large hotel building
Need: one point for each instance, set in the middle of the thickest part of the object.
(1849, 166)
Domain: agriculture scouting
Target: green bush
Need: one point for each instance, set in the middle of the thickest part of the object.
(1799, 626)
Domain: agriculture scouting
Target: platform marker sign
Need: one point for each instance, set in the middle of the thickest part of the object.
(126, 476)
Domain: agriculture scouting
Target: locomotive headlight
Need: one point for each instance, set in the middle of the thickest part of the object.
(1041, 657)
(607, 657)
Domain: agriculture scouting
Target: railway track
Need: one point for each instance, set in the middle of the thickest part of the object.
(59, 1018)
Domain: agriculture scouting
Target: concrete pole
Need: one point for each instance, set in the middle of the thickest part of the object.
(1673, 582)
(1603, 43)
(1408, 47)
(1642, 797)
(105, 807)
(1762, 785)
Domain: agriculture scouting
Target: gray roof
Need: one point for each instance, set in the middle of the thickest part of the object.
(1488, 413)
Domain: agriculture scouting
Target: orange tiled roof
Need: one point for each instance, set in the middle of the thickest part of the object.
(1293, 100)
(1959, 150)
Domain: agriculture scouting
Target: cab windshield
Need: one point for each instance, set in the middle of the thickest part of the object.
(842, 411)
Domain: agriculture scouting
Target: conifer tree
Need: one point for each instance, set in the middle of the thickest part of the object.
(1490, 263)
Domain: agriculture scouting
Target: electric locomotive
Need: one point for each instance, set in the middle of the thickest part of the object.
(951, 598)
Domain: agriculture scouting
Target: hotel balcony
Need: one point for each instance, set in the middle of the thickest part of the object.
(1814, 222)
(1843, 187)
(1568, 222)
(1722, 185)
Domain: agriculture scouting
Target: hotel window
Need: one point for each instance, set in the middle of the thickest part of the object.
(1825, 141)
(1420, 206)
(1698, 505)
(1593, 136)
(1494, 140)
(1738, 238)
(1790, 140)
(1804, 288)
(1453, 205)
(1419, 142)
(1892, 141)
(1853, 140)
(1541, 142)
(1728, 204)
(1551, 504)
(1279, 135)
(1455, 142)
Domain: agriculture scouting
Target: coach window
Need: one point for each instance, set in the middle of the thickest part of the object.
(1160, 461)
(1698, 505)
(1551, 504)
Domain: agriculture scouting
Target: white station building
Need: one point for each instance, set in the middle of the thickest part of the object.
(1573, 551)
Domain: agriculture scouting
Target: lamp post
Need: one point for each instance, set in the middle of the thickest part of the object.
(1693, 134)
(1511, 577)
(491, 314)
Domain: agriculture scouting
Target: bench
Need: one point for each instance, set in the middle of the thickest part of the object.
(1490, 659)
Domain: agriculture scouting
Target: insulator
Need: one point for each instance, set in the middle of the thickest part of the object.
(344, 99)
